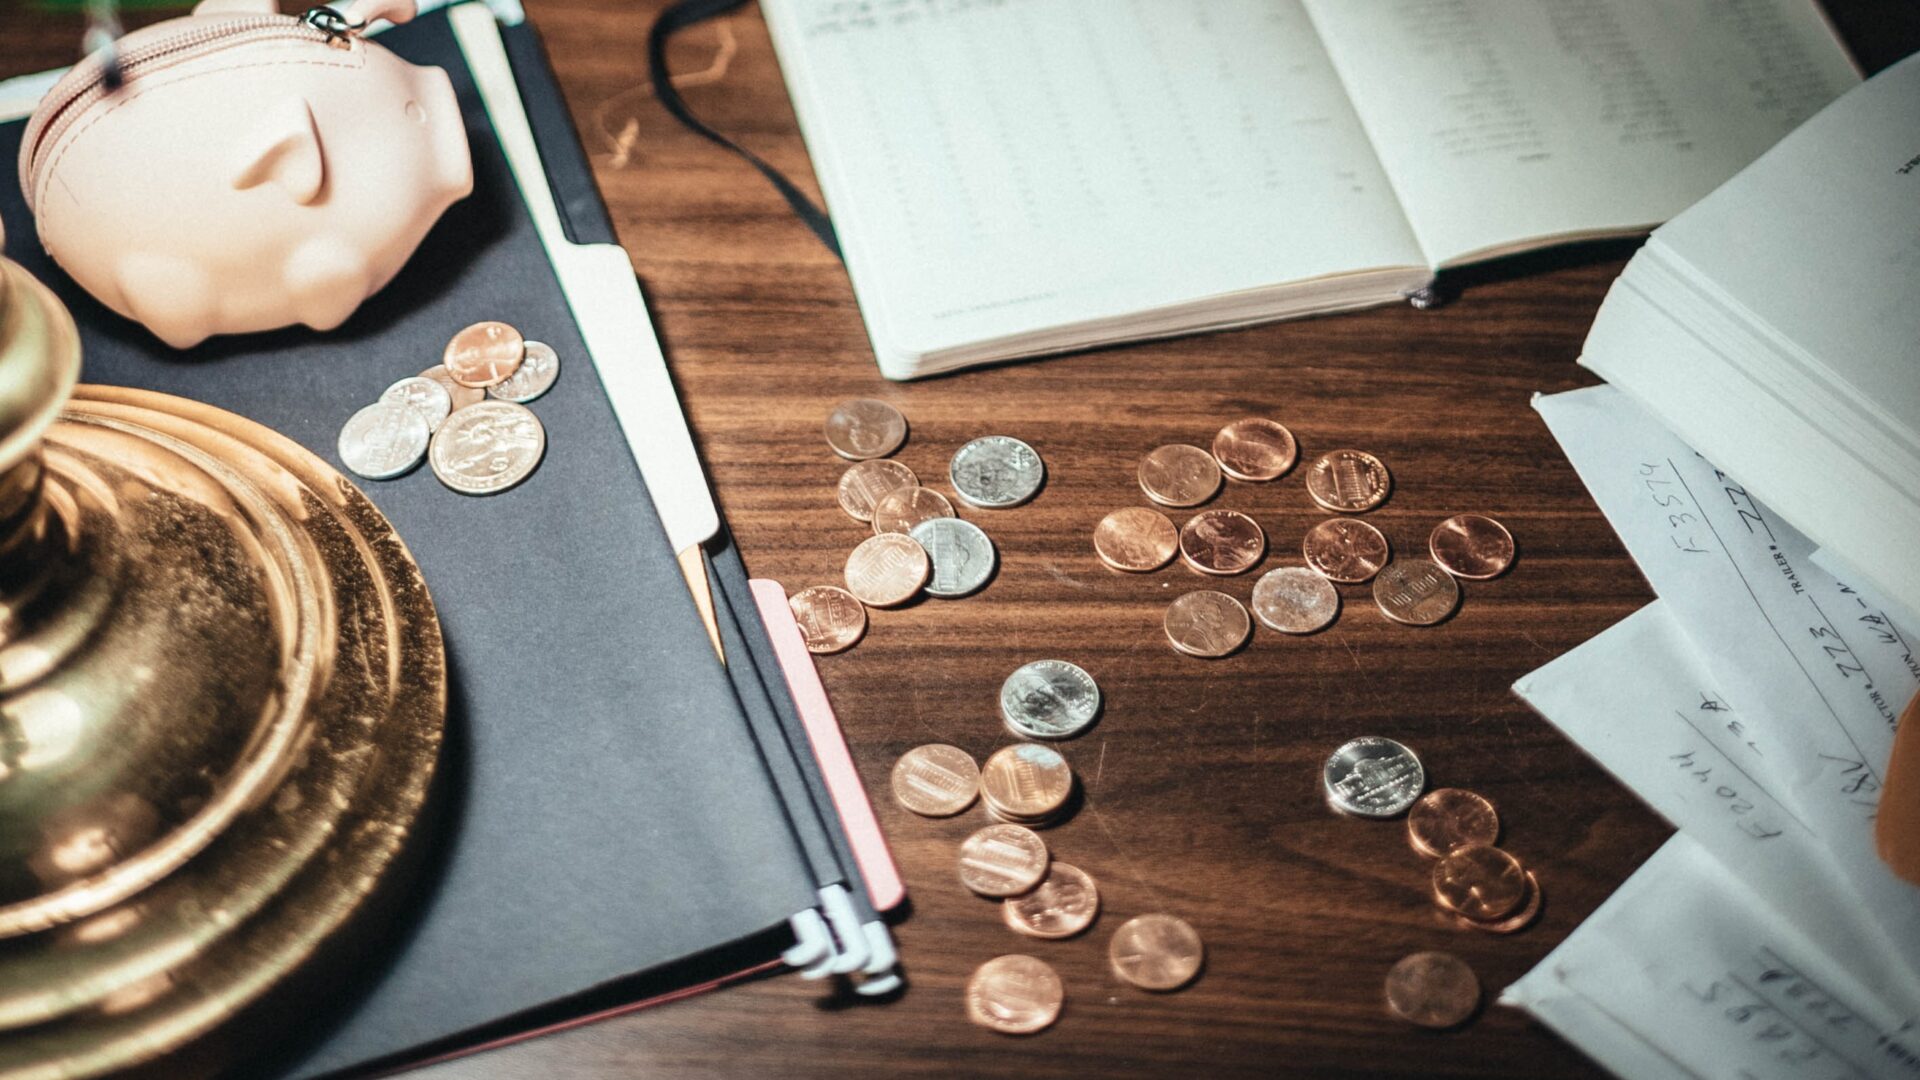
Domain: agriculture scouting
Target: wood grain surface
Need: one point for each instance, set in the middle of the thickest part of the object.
(1201, 780)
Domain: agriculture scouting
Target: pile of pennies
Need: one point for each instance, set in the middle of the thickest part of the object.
(466, 415)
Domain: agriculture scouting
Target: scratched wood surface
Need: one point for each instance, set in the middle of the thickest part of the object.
(1202, 778)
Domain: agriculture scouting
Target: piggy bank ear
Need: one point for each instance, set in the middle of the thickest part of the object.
(283, 148)
(234, 7)
(394, 11)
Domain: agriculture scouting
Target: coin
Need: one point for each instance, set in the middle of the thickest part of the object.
(1135, 539)
(1015, 995)
(1207, 624)
(383, 440)
(423, 395)
(1350, 481)
(1373, 777)
(1003, 860)
(1514, 923)
(936, 780)
(1049, 699)
(1471, 546)
(1026, 781)
(1347, 550)
(1179, 475)
(1062, 905)
(1432, 989)
(962, 556)
(1415, 592)
(1156, 952)
(484, 354)
(887, 570)
(1294, 600)
(865, 482)
(1448, 818)
(538, 371)
(864, 428)
(1480, 881)
(1254, 450)
(487, 448)
(996, 471)
(830, 619)
(461, 396)
(899, 510)
(1222, 542)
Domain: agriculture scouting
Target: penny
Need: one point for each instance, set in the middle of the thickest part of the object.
(1003, 860)
(1471, 546)
(538, 371)
(484, 354)
(1294, 600)
(1349, 481)
(1049, 699)
(1156, 952)
(1346, 550)
(1415, 592)
(1062, 905)
(936, 780)
(996, 471)
(485, 449)
(1026, 781)
(962, 555)
(1015, 995)
(1179, 475)
(830, 619)
(864, 428)
(1448, 818)
(383, 440)
(1222, 542)
(1433, 990)
(1254, 450)
(461, 396)
(1373, 777)
(1135, 540)
(887, 570)
(1207, 624)
(864, 482)
(1515, 922)
(423, 395)
(899, 510)
(1481, 882)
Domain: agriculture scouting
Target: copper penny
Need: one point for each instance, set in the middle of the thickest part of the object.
(1135, 539)
(936, 780)
(864, 428)
(1207, 624)
(1026, 780)
(1015, 995)
(1514, 923)
(1481, 882)
(1003, 860)
(1448, 818)
(1346, 550)
(899, 510)
(830, 619)
(1222, 542)
(1062, 905)
(484, 354)
(462, 396)
(1433, 990)
(1294, 600)
(1156, 952)
(1179, 475)
(864, 482)
(1255, 450)
(1349, 481)
(1415, 592)
(887, 570)
(1471, 546)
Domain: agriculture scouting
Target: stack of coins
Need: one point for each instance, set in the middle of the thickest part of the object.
(1026, 784)
(1474, 884)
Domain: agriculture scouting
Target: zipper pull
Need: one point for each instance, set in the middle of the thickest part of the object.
(339, 30)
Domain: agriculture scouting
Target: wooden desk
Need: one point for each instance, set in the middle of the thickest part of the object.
(1202, 779)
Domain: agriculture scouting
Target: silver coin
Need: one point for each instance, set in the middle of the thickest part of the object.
(996, 471)
(424, 395)
(383, 440)
(487, 448)
(539, 369)
(962, 555)
(1294, 600)
(1373, 777)
(1049, 699)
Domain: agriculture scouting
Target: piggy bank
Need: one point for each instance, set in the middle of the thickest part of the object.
(251, 171)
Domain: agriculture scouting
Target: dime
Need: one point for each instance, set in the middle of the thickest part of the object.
(1015, 995)
(1346, 550)
(1515, 922)
(864, 482)
(383, 440)
(1294, 600)
(887, 570)
(864, 428)
(1448, 818)
(996, 471)
(1254, 450)
(423, 395)
(1026, 781)
(1222, 542)
(1415, 592)
(899, 510)
(1003, 860)
(1481, 882)
(1156, 952)
(538, 371)
(830, 619)
(1062, 905)
(962, 555)
(1179, 475)
(936, 780)
(1135, 539)
(487, 448)
(1373, 777)
(1432, 989)
(1049, 699)
(484, 354)
(1471, 546)
(1207, 624)
(461, 396)
(1350, 481)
